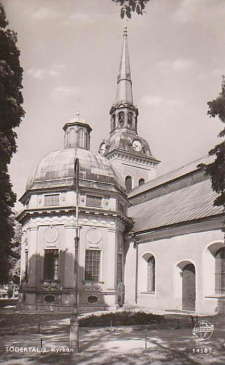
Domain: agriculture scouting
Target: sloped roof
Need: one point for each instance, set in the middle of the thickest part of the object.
(187, 204)
(175, 174)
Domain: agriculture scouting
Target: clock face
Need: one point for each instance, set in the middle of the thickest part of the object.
(137, 145)
(102, 148)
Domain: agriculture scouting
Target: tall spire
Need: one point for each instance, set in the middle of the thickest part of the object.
(124, 84)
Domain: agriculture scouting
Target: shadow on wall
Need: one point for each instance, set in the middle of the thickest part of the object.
(48, 283)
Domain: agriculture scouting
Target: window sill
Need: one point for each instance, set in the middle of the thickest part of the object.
(215, 296)
(148, 292)
(92, 282)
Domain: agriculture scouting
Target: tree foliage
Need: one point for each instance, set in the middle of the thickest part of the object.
(216, 170)
(131, 6)
(11, 113)
(15, 246)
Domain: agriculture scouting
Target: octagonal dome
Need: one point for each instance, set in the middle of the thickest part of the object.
(57, 170)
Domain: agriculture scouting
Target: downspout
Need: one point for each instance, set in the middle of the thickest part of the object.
(136, 276)
(136, 270)
(36, 279)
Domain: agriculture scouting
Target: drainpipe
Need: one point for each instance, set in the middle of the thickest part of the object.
(136, 268)
(136, 276)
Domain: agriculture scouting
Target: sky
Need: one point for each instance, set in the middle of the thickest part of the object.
(70, 53)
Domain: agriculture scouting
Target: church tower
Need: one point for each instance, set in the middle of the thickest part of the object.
(129, 154)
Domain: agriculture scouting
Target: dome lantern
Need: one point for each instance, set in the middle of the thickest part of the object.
(77, 133)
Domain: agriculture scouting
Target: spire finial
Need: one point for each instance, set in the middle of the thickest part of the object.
(78, 114)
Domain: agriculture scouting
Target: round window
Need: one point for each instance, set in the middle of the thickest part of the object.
(49, 298)
(92, 299)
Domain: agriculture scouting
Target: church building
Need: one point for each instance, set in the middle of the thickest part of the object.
(147, 241)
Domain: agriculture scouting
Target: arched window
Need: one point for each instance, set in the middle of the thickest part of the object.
(130, 119)
(151, 274)
(113, 122)
(220, 271)
(141, 182)
(81, 138)
(121, 119)
(71, 137)
(128, 183)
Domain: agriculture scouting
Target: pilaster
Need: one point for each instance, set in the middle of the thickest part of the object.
(69, 256)
(111, 260)
(32, 256)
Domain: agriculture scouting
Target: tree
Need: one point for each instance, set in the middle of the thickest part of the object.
(14, 258)
(216, 170)
(11, 113)
(129, 6)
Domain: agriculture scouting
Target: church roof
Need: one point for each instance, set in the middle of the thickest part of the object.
(170, 176)
(57, 169)
(79, 120)
(122, 140)
(187, 204)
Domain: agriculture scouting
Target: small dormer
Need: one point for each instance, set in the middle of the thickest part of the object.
(77, 133)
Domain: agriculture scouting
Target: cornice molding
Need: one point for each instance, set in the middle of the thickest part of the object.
(85, 211)
(127, 156)
(182, 228)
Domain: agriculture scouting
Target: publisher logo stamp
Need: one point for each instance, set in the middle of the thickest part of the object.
(203, 330)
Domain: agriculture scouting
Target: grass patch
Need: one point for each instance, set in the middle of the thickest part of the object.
(24, 323)
(125, 318)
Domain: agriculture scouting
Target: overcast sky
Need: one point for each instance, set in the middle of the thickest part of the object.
(70, 50)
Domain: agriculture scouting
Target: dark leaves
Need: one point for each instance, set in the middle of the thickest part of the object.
(3, 21)
(11, 113)
(131, 6)
(216, 170)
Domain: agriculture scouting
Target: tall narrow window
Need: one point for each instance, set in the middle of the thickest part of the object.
(71, 137)
(92, 265)
(128, 183)
(151, 274)
(113, 121)
(119, 268)
(121, 119)
(130, 119)
(220, 271)
(121, 207)
(81, 139)
(51, 264)
(141, 181)
(26, 266)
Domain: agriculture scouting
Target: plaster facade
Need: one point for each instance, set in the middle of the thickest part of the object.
(157, 243)
(172, 254)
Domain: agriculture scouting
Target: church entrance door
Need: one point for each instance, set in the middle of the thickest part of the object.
(188, 288)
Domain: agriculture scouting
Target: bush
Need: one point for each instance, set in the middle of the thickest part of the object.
(121, 319)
